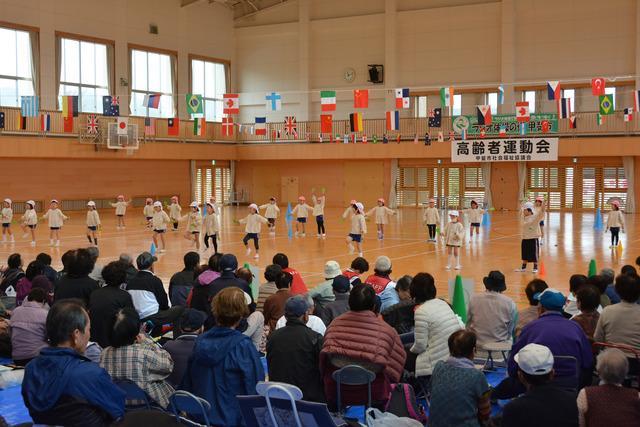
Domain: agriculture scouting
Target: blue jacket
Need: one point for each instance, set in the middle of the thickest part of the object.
(224, 364)
(59, 372)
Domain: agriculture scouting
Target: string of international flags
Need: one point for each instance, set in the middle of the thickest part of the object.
(328, 105)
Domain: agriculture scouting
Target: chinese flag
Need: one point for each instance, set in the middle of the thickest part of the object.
(68, 124)
(326, 123)
(173, 127)
(597, 86)
(361, 98)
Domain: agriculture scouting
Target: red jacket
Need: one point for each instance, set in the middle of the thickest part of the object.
(378, 283)
(297, 286)
(362, 336)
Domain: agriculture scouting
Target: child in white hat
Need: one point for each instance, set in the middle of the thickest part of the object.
(348, 212)
(453, 236)
(318, 212)
(475, 217)
(121, 210)
(615, 223)
(175, 211)
(56, 220)
(194, 224)
(211, 227)
(7, 217)
(380, 212)
(271, 212)
(29, 221)
(93, 222)
(431, 218)
(358, 228)
(537, 205)
(253, 225)
(530, 228)
(159, 223)
(301, 212)
(147, 211)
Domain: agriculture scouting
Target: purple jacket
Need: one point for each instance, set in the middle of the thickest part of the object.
(28, 330)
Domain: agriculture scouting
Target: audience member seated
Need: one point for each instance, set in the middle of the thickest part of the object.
(601, 284)
(76, 283)
(61, 386)
(576, 281)
(297, 286)
(315, 323)
(323, 293)
(181, 348)
(400, 316)
(459, 391)
(224, 363)
(228, 265)
(135, 357)
(560, 335)
(23, 287)
(609, 277)
(618, 323)
(435, 321)
(131, 269)
(629, 270)
(609, 404)
(49, 271)
(28, 327)
(253, 327)
(543, 403)
(96, 273)
(341, 287)
(245, 274)
(380, 279)
(183, 281)
(10, 277)
(358, 267)
(105, 302)
(274, 305)
(149, 297)
(530, 313)
(199, 295)
(588, 298)
(271, 274)
(492, 315)
(360, 337)
(293, 352)
(5, 338)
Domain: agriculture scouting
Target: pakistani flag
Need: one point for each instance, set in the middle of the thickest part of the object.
(194, 104)
(606, 104)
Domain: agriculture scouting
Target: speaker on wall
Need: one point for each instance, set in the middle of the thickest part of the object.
(376, 73)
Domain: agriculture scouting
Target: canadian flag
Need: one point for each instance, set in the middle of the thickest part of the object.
(522, 111)
(123, 125)
(231, 103)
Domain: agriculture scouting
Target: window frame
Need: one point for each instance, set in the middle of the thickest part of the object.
(227, 77)
(532, 106)
(160, 51)
(28, 29)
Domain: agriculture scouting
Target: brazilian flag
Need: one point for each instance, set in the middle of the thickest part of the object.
(194, 104)
(606, 104)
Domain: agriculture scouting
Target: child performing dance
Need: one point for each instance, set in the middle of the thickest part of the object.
(7, 217)
(159, 223)
(30, 221)
(194, 224)
(318, 212)
(147, 211)
(530, 235)
(348, 213)
(431, 217)
(253, 223)
(536, 207)
(121, 210)
(615, 223)
(358, 228)
(381, 212)
(56, 221)
(93, 222)
(453, 235)
(301, 212)
(475, 217)
(174, 212)
(271, 213)
(211, 227)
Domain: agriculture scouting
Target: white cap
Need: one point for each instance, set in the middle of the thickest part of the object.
(253, 206)
(534, 359)
(194, 205)
(528, 205)
(454, 213)
(91, 203)
(54, 201)
(157, 203)
(360, 207)
(211, 204)
(32, 203)
(8, 201)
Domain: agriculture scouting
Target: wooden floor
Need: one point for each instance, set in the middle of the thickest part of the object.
(570, 243)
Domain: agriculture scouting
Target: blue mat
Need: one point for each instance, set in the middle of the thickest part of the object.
(13, 409)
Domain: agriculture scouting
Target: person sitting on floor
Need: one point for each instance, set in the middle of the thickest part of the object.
(588, 298)
(182, 282)
(297, 286)
(544, 403)
(28, 327)
(76, 283)
(530, 313)
(24, 285)
(274, 305)
(459, 391)
(323, 293)
(341, 288)
(358, 267)
(380, 279)
(181, 348)
(315, 323)
(576, 281)
(271, 274)
(49, 271)
(61, 386)
(609, 277)
(400, 316)
(127, 260)
(10, 276)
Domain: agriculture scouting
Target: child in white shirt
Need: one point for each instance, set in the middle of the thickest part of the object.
(93, 222)
(318, 212)
(381, 212)
(453, 235)
(431, 218)
(301, 212)
(271, 213)
(194, 224)
(475, 217)
(56, 220)
(159, 223)
(358, 228)
(211, 226)
(615, 223)
(253, 223)
(7, 217)
(121, 210)
(175, 211)
(30, 221)
(147, 211)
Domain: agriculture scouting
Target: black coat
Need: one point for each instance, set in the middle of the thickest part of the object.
(75, 287)
(104, 303)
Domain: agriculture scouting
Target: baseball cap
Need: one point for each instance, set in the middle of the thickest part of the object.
(534, 359)
(551, 299)
(331, 269)
(383, 263)
(228, 262)
(296, 306)
(91, 203)
(32, 203)
(192, 319)
(145, 260)
(341, 284)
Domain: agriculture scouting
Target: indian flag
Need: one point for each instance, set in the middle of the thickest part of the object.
(198, 126)
(446, 96)
(328, 100)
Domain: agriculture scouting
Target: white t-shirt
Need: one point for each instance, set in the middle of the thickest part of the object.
(315, 323)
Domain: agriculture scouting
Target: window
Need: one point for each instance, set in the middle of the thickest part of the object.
(83, 72)
(457, 105)
(209, 79)
(420, 106)
(16, 78)
(611, 91)
(530, 97)
(492, 100)
(151, 72)
(571, 94)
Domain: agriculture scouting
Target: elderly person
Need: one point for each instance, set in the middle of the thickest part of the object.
(609, 277)
(530, 313)
(271, 274)
(61, 377)
(435, 321)
(28, 321)
(76, 283)
(274, 305)
(456, 383)
(400, 316)
(127, 260)
(588, 302)
(380, 279)
(10, 276)
(323, 293)
(315, 323)
(609, 403)
(181, 348)
(182, 282)
(341, 288)
(24, 285)
(96, 273)
(360, 337)
(492, 315)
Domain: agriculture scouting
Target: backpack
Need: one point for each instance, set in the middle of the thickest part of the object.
(402, 402)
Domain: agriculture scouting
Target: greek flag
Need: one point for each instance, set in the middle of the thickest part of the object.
(30, 106)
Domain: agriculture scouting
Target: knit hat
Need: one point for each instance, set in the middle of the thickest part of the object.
(432, 200)
(534, 359)
(613, 202)
(54, 201)
(383, 263)
(148, 200)
(301, 198)
(157, 203)
(296, 306)
(174, 198)
(353, 202)
(120, 196)
(331, 269)
(211, 204)
(341, 284)
(381, 200)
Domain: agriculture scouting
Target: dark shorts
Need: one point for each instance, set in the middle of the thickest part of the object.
(195, 232)
(92, 227)
(541, 223)
(302, 220)
(356, 237)
(119, 215)
(529, 249)
(6, 224)
(271, 220)
(149, 218)
(319, 218)
(475, 224)
(159, 231)
(54, 228)
(32, 226)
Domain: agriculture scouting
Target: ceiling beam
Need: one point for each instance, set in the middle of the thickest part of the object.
(184, 3)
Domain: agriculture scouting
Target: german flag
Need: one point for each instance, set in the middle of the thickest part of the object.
(355, 119)
(21, 122)
(69, 106)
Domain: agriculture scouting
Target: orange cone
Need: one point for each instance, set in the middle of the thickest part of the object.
(542, 272)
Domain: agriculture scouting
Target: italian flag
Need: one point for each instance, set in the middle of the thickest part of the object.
(198, 126)
(328, 100)
(446, 96)
(600, 121)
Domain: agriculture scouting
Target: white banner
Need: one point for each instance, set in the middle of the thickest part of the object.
(504, 150)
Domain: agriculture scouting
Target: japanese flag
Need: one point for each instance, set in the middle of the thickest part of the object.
(123, 125)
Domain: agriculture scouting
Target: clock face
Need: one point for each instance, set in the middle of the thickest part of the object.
(350, 74)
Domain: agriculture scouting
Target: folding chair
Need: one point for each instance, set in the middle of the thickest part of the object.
(502, 348)
(255, 413)
(194, 407)
(574, 383)
(136, 398)
(353, 375)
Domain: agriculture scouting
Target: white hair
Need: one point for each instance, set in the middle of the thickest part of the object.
(612, 366)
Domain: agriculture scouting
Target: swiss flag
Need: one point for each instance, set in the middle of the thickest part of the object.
(483, 132)
(123, 125)
(361, 98)
(522, 111)
(598, 85)
(231, 103)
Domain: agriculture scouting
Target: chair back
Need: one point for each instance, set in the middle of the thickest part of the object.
(574, 383)
(353, 375)
(135, 397)
(194, 407)
(280, 391)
